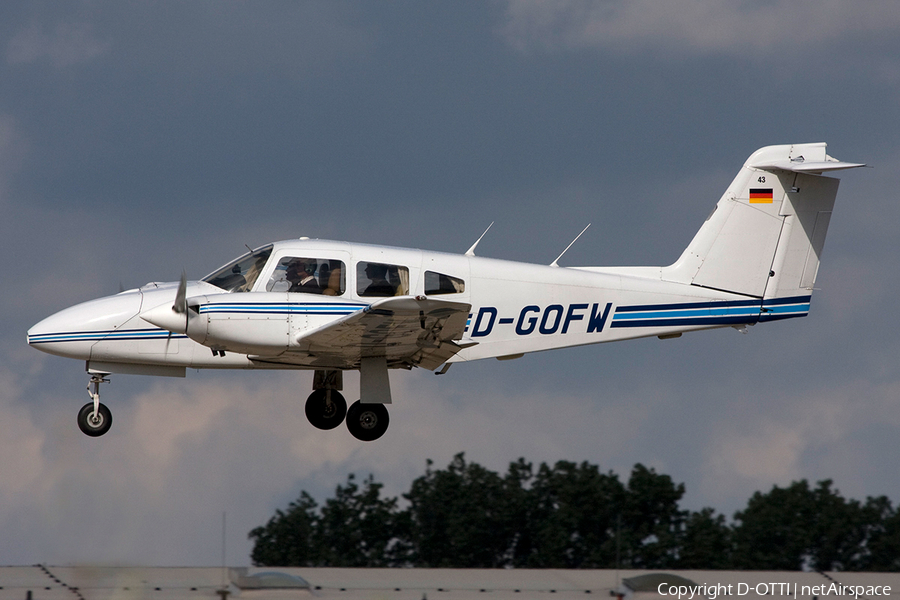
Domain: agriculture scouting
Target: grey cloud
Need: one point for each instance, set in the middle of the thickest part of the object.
(749, 30)
(64, 45)
(12, 152)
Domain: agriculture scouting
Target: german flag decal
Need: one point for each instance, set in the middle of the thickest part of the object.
(760, 195)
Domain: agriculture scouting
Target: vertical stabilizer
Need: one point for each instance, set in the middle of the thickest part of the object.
(765, 237)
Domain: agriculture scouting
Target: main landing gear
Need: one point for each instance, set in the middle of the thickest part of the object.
(94, 419)
(326, 409)
(367, 422)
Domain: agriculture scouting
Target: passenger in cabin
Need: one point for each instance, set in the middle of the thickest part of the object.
(379, 285)
(302, 279)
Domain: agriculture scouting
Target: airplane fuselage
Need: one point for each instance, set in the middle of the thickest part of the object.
(516, 308)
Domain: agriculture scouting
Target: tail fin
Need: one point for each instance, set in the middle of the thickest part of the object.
(765, 236)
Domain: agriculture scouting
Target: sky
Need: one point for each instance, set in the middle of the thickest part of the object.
(141, 139)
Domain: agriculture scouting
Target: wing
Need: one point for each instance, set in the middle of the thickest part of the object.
(408, 331)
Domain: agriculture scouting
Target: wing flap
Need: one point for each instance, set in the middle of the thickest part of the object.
(406, 330)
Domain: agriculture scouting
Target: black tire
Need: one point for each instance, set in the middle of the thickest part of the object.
(91, 427)
(367, 422)
(325, 415)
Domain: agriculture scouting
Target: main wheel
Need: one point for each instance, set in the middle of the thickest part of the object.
(91, 425)
(324, 412)
(367, 422)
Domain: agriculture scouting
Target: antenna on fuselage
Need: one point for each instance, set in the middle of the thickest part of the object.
(471, 251)
(554, 263)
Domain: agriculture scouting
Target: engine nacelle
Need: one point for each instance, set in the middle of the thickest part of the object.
(258, 323)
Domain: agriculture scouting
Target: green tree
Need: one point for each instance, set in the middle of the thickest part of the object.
(771, 533)
(651, 519)
(838, 533)
(517, 511)
(882, 545)
(572, 516)
(461, 517)
(359, 528)
(705, 542)
(798, 527)
(289, 538)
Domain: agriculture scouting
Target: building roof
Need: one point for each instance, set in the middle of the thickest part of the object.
(200, 583)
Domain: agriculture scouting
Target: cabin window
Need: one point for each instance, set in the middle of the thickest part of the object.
(438, 283)
(380, 279)
(240, 274)
(305, 275)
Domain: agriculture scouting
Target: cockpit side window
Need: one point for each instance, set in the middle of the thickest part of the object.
(240, 274)
(438, 283)
(305, 275)
(380, 279)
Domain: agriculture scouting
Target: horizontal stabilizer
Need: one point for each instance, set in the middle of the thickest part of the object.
(798, 158)
(808, 167)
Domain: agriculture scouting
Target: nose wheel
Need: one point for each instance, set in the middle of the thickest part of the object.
(93, 423)
(94, 418)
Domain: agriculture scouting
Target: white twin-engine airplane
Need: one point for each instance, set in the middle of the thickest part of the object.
(335, 306)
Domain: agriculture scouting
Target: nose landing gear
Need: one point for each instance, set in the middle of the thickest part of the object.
(95, 419)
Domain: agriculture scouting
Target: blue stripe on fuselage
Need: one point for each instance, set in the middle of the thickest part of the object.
(710, 313)
(96, 336)
(286, 308)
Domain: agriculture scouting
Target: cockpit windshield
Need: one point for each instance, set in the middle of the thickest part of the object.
(240, 274)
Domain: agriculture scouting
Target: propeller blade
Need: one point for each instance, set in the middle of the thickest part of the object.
(180, 305)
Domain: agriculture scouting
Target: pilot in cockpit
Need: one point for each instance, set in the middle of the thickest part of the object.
(301, 275)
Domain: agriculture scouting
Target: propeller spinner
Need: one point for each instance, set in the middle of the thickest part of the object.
(174, 318)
